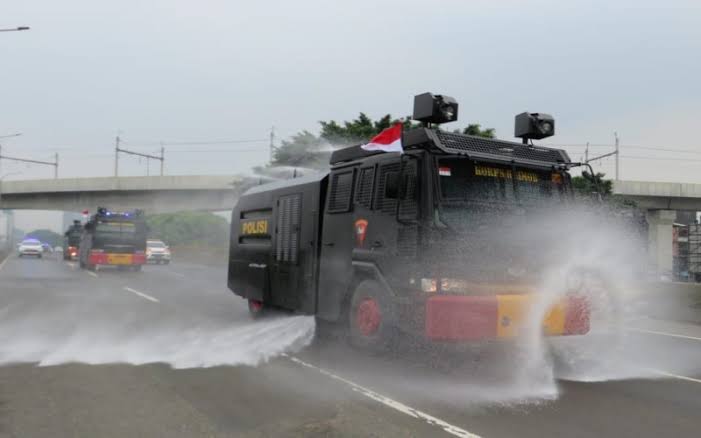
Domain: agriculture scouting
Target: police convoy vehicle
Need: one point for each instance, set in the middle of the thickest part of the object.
(409, 242)
(113, 238)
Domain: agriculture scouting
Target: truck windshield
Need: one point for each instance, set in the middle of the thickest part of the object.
(462, 179)
(115, 229)
(477, 195)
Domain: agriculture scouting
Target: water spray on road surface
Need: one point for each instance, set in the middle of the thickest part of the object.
(67, 334)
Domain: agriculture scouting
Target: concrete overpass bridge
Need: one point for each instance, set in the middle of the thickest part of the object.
(661, 200)
(165, 194)
(154, 194)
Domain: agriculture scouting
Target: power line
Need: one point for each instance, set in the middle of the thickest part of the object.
(195, 143)
(659, 158)
(214, 150)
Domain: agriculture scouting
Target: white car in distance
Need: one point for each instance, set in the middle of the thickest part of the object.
(30, 247)
(157, 252)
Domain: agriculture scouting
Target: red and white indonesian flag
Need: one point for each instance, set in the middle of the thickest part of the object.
(389, 140)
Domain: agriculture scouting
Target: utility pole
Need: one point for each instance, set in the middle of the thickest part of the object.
(148, 157)
(162, 157)
(116, 157)
(615, 134)
(586, 153)
(27, 160)
(272, 142)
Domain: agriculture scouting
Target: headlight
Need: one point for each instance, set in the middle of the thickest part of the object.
(429, 285)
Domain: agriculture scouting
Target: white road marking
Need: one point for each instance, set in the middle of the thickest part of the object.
(675, 376)
(398, 406)
(176, 273)
(142, 295)
(671, 335)
(92, 273)
(2, 265)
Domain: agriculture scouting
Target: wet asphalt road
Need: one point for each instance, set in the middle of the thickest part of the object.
(54, 314)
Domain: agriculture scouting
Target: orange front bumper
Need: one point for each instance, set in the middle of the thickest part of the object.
(482, 317)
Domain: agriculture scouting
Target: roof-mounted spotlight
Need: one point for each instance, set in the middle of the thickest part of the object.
(435, 109)
(534, 126)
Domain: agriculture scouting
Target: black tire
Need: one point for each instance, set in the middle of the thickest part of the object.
(372, 317)
(257, 309)
(166, 262)
(39, 256)
(136, 268)
(19, 255)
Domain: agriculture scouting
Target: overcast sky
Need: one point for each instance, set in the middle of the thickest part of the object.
(179, 71)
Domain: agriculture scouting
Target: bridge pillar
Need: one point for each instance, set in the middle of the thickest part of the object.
(660, 239)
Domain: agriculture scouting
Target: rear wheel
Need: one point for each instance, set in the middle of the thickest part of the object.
(371, 317)
(256, 308)
(136, 268)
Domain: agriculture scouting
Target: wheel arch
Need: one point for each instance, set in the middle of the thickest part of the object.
(361, 271)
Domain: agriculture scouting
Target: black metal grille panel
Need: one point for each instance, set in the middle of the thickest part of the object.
(506, 149)
(287, 239)
(385, 205)
(364, 193)
(409, 208)
(341, 191)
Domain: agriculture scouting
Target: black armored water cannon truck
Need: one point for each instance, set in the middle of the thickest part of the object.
(415, 242)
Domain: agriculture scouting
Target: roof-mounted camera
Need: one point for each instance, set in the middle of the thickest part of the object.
(534, 126)
(429, 108)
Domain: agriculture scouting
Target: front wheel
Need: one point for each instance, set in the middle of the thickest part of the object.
(371, 317)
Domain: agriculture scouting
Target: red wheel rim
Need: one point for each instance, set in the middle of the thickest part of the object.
(368, 317)
(255, 305)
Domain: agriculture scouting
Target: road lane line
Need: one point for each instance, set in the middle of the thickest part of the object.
(142, 295)
(92, 273)
(675, 376)
(398, 406)
(671, 335)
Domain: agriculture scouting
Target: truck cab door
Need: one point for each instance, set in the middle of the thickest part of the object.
(337, 242)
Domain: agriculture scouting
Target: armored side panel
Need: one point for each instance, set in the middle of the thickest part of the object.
(274, 248)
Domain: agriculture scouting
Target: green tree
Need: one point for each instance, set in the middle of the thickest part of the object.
(308, 150)
(476, 129)
(188, 228)
(302, 150)
(47, 236)
(358, 130)
(588, 184)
